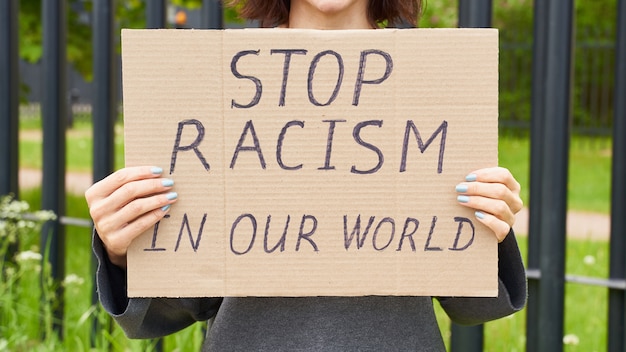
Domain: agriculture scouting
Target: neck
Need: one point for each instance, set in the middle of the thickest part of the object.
(328, 15)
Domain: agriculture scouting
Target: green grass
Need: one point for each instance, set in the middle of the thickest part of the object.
(589, 170)
(79, 147)
(21, 316)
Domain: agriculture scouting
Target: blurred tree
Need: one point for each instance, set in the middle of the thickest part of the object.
(129, 14)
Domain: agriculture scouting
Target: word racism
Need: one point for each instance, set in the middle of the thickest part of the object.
(244, 229)
(250, 132)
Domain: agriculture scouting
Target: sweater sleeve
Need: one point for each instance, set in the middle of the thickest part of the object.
(512, 290)
(145, 317)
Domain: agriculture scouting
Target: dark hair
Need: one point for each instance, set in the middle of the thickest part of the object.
(276, 12)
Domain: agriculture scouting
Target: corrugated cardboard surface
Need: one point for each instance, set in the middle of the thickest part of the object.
(290, 175)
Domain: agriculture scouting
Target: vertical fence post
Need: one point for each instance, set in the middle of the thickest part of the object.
(9, 97)
(212, 14)
(54, 105)
(554, 125)
(537, 147)
(156, 14)
(105, 92)
(104, 112)
(477, 14)
(617, 306)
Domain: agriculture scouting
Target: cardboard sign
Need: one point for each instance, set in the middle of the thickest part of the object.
(313, 163)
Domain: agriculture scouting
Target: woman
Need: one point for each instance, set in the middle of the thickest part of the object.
(132, 200)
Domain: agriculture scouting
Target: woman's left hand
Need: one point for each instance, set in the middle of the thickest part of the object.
(494, 193)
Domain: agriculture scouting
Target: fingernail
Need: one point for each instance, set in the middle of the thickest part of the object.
(167, 182)
(166, 208)
(156, 170)
(480, 214)
(463, 199)
(470, 178)
(461, 188)
(172, 195)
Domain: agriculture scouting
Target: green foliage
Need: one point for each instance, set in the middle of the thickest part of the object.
(79, 52)
(19, 271)
(128, 14)
(26, 305)
(439, 14)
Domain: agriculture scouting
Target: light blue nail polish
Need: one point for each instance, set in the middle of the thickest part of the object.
(166, 208)
(167, 182)
(480, 214)
(172, 195)
(156, 170)
(463, 199)
(470, 178)
(461, 188)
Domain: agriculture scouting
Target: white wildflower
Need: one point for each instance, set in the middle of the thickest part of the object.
(45, 215)
(589, 260)
(10, 271)
(28, 256)
(571, 339)
(73, 279)
(4, 344)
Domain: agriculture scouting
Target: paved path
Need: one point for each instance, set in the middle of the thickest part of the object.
(76, 183)
(582, 225)
(579, 224)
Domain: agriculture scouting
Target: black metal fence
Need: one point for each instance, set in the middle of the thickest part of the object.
(592, 85)
(550, 129)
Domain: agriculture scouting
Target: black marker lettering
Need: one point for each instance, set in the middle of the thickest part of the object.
(356, 230)
(312, 68)
(153, 247)
(256, 81)
(185, 224)
(329, 144)
(393, 231)
(427, 246)
(279, 145)
(307, 236)
(410, 126)
(461, 220)
(194, 145)
(232, 233)
(359, 78)
(281, 241)
(356, 134)
(249, 127)
(288, 53)
(405, 233)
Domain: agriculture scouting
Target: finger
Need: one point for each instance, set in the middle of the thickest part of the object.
(101, 208)
(495, 175)
(117, 243)
(500, 228)
(495, 207)
(111, 183)
(496, 191)
(112, 221)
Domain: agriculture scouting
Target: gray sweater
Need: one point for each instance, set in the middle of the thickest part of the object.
(369, 323)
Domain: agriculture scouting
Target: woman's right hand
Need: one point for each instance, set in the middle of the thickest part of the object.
(125, 204)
